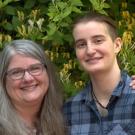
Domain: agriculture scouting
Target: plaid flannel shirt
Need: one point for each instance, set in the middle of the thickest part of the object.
(83, 118)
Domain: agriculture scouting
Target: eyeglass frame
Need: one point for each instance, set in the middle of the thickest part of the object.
(9, 72)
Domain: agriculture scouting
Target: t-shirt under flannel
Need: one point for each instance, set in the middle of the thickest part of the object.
(83, 117)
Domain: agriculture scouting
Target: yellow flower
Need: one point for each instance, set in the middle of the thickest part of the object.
(124, 5)
(20, 15)
(34, 14)
(74, 64)
(1, 37)
(47, 52)
(22, 30)
(133, 14)
(39, 23)
(127, 37)
(130, 27)
(66, 55)
(119, 23)
(57, 54)
(51, 56)
(79, 84)
(31, 23)
(66, 67)
(125, 14)
(133, 21)
(7, 38)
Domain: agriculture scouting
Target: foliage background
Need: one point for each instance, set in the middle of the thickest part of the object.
(49, 22)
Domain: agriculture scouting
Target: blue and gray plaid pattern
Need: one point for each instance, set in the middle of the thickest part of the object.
(83, 118)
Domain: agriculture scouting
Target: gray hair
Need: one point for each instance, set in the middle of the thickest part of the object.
(51, 119)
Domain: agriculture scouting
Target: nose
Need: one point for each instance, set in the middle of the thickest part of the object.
(90, 49)
(27, 76)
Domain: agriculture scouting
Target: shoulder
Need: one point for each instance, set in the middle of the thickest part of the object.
(126, 93)
(75, 102)
(4, 127)
(77, 98)
(3, 131)
(127, 88)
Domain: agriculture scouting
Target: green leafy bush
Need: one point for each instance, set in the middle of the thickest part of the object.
(49, 22)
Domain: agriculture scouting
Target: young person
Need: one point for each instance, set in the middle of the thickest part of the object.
(106, 106)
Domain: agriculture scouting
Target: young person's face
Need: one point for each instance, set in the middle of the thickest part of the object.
(95, 49)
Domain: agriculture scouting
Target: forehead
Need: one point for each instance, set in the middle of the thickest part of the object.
(20, 60)
(89, 29)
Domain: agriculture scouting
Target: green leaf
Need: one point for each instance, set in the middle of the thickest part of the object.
(44, 1)
(99, 6)
(57, 37)
(52, 9)
(76, 3)
(8, 26)
(95, 3)
(67, 12)
(51, 29)
(29, 4)
(57, 18)
(6, 2)
(62, 5)
(105, 5)
(102, 12)
(64, 24)
(10, 10)
(15, 22)
(68, 38)
(76, 10)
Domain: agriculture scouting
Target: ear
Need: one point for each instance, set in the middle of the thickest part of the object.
(117, 45)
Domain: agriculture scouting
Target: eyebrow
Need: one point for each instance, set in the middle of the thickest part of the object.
(79, 40)
(97, 36)
(22, 67)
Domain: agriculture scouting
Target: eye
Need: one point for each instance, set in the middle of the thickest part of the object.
(36, 68)
(80, 45)
(15, 72)
(98, 40)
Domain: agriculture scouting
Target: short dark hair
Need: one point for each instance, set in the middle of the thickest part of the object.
(98, 17)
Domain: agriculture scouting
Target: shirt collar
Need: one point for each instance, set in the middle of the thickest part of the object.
(116, 93)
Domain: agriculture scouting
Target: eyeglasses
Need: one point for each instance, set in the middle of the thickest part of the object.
(18, 73)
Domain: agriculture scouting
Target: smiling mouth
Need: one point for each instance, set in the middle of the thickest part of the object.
(93, 60)
(29, 88)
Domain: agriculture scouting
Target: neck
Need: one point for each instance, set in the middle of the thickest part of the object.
(103, 85)
(29, 114)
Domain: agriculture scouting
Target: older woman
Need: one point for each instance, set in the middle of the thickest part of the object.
(30, 101)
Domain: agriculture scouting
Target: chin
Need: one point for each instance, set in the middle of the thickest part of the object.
(33, 98)
(94, 70)
(30, 100)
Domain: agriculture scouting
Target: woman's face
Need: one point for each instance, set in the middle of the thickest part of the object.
(30, 89)
(95, 49)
